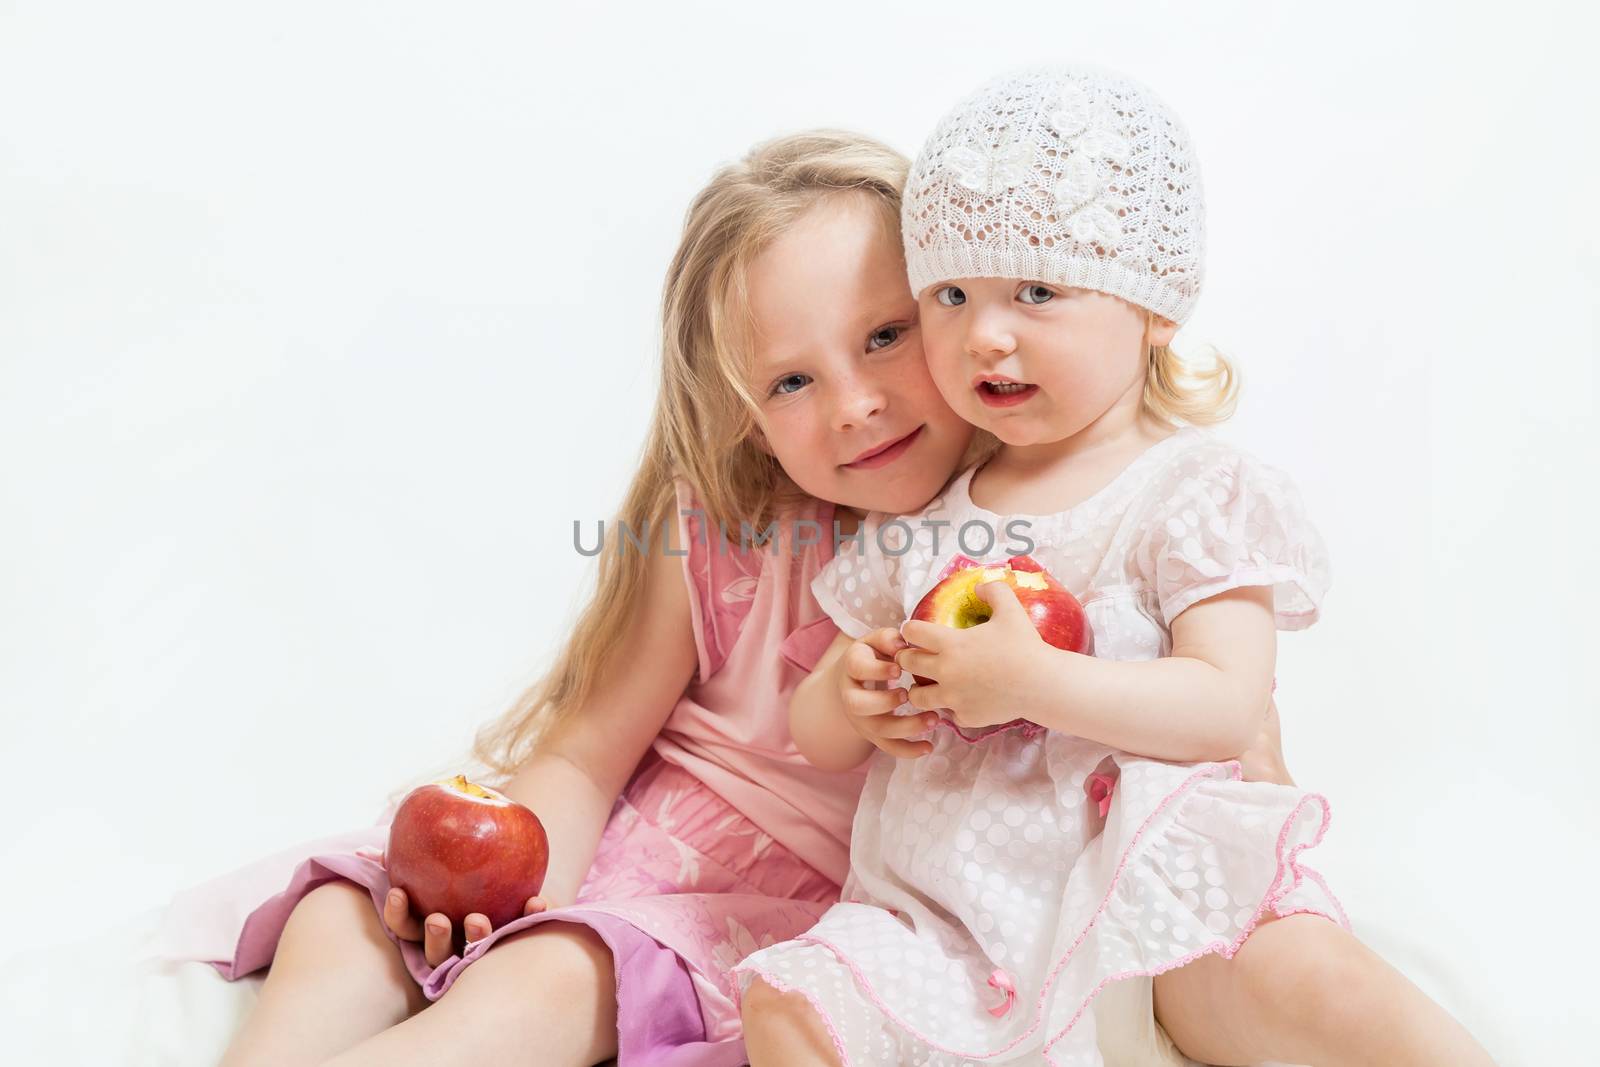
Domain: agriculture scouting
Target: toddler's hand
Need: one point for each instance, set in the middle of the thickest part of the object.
(981, 674)
(436, 934)
(870, 711)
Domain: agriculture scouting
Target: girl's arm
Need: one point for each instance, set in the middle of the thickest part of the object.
(1203, 702)
(841, 711)
(817, 719)
(581, 766)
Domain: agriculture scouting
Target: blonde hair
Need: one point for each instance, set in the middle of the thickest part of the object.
(705, 416)
(1179, 389)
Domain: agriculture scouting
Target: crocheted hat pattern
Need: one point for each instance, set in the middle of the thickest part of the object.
(1075, 176)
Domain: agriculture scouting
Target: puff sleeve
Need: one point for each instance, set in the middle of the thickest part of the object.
(1226, 520)
(860, 587)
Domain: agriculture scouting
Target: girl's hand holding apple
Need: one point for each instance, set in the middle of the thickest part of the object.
(870, 710)
(468, 857)
(437, 932)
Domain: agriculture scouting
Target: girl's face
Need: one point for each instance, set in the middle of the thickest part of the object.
(848, 407)
(1034, 363)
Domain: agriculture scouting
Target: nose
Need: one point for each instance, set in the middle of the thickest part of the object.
(989, 335)
(859, 398)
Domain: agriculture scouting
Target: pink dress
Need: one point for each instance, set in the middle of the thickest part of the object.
(725, 839)
(1002, 883)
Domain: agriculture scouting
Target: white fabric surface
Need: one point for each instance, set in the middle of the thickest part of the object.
(105, 1000)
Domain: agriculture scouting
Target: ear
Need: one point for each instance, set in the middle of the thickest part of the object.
(1160, 331)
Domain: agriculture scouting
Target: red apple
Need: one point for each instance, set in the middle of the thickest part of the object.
(457, 847)
(1054, 612)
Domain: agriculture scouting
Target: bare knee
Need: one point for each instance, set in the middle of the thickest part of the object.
(334, 981)
(761, 1002)
(782, 1027)
(568, 963)
(570, 953)
(551, 987)
(337, 908)
(1306, 968)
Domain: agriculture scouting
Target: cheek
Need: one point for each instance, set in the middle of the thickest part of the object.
(912, 382)
(1089, 372)
(945, 361)
(795, 438)
(920, 393)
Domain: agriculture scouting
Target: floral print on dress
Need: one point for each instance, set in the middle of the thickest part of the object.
(739, 591)
(739, 943)
(679, 861)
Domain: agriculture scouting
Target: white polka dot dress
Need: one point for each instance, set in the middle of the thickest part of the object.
(1000, 883)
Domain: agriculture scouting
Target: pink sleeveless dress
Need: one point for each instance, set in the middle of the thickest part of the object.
(724, 841)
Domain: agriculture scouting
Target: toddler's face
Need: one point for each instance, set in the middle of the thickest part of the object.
(1034, 363)
(848, 406)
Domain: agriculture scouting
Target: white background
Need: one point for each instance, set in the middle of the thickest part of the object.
(320, 323)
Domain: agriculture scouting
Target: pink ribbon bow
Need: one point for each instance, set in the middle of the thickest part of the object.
(1002, 981)
(1099, 787)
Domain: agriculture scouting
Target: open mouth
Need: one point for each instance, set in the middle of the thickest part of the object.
(1001, 394)
(885, 454)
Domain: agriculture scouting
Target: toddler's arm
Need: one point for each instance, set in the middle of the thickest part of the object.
(1203, 702)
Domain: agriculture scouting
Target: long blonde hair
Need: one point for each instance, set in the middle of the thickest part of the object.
(705, 413)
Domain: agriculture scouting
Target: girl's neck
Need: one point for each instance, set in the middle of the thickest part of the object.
(1108, 436)
(1048, 478)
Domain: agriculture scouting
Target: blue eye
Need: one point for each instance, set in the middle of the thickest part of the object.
(950, 296)
(778, 386)
(893, 334)
(1041, 294)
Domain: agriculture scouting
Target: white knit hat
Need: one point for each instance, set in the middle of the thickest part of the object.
(1069, 175)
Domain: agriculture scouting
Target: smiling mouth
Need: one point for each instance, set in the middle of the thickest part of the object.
(886, 454)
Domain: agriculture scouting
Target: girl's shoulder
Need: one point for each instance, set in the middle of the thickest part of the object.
(728, 567)
(1204, 465)
(1213, 516)
(722, 580)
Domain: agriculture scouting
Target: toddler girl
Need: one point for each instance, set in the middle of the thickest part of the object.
(1074, 824)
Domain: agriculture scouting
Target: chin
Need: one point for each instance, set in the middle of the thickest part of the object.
(897, 496)
(1006, 431)
(1019, 437)
(1025, 430)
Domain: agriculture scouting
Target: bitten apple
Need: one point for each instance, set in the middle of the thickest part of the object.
(457, 847)
(1054, 612)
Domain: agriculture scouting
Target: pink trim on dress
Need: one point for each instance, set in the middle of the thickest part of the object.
(783, 987)
(1286, 864)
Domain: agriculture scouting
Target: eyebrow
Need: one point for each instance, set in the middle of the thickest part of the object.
(878, 314)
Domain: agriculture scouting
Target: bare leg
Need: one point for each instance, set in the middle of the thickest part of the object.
(335, 979)
(783, 1028)
(1303, 990)
(548, 993)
